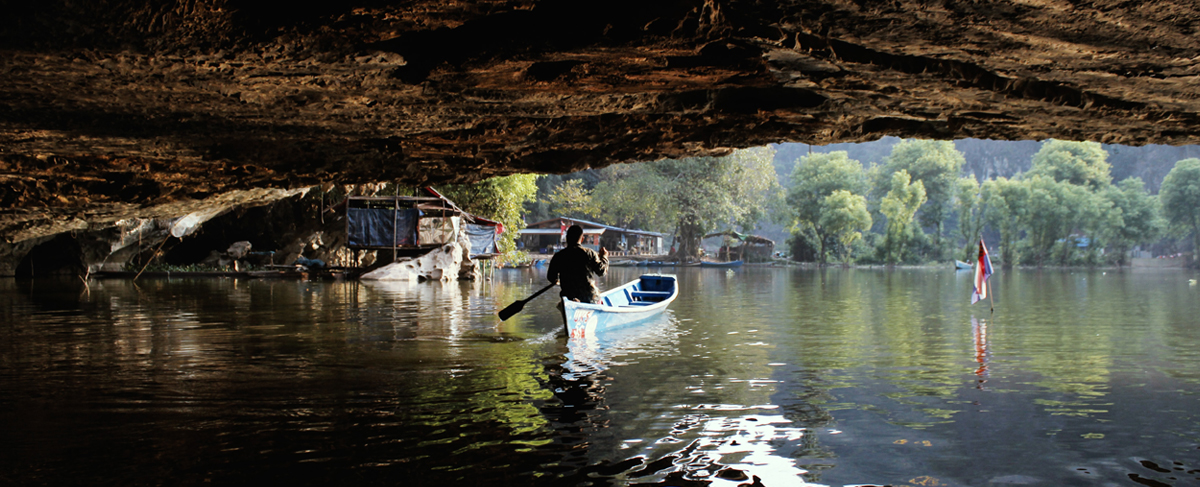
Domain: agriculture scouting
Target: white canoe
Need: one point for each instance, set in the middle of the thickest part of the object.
(637, 300)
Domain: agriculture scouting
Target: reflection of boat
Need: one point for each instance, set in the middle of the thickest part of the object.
(960, 265)
(635, 301)
(735, 263)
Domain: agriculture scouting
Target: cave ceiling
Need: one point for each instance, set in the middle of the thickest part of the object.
(114, 109)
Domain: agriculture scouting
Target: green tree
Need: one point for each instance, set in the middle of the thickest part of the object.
(572, 199)
(1135, 219)
(972, 212)
(691, 197)
(708, 192)
(1078, 163)
(937, 165)
(900, 206)
(1007, 202)
(844, 216)
(501, 199)
(1180, 198)
(815, 177)
(1056, 210)
(631, 196)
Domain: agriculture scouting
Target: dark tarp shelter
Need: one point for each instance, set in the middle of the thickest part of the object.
(377, 227)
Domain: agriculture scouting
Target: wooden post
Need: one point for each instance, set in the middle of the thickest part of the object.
(395, 224)
(991, 299)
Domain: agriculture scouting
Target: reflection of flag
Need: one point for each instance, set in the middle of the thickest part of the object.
(983, 270)
(981, 350)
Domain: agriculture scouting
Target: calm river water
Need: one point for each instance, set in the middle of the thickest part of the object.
(832, 377)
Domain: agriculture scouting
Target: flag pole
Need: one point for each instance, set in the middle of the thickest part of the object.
(991, 299)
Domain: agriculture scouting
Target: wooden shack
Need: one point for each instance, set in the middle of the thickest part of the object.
(744, 247)
(414, 225)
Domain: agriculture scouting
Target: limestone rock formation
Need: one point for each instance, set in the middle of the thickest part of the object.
(119, 109)
(441, 264)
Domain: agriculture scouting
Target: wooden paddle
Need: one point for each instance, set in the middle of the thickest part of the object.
(516, 307)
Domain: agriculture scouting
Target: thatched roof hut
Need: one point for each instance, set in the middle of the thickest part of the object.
(740, 246)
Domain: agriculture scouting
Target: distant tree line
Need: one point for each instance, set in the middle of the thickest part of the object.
(917, 206)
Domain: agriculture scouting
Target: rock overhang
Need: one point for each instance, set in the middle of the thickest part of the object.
(118, 109)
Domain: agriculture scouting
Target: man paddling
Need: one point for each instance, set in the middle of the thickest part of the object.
(573, 267)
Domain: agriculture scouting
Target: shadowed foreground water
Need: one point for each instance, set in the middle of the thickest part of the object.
(834, 377)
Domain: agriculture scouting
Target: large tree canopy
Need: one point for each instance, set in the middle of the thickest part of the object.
(844, 216)
(688, 197)
(706, 193)
(937, 165)
(1180, 197)
(1057, 209)
(1134, 218)
(1078, 163)
(900, 206)
(816, 177)
(626, 191)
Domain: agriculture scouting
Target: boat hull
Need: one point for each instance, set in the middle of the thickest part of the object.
(634, 302)
(736, 263)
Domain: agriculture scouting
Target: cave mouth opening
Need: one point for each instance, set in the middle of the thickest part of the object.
(59, 256)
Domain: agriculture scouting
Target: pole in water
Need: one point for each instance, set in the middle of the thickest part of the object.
(991, 299)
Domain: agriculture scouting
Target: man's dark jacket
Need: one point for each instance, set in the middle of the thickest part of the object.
(573, 268)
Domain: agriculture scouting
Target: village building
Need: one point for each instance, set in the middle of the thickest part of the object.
(414, 225)
(740, 246)
(548, 236)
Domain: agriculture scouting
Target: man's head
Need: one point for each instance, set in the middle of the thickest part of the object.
(574, 234)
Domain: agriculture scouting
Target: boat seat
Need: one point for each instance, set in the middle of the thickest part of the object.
(641, 303)
(650, 295)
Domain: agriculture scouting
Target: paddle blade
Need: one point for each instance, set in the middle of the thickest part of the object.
(511, 309)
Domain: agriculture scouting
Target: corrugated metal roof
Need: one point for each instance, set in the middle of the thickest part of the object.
(555, 231)
(582, 223)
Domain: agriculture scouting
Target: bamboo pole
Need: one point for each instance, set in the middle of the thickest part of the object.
(152, 257)
(991, 299)
(395, 222)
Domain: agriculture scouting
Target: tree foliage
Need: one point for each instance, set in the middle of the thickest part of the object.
(1133, 220)
(934, 163)
(1064, 210)
(1180, 198)
(626, 194)
(816, 177)
(688, 197)
(501, 199)
(572, 199)
(900, 206)
(972, 212)
(706, 193)
(1078, 163)
(1056, 210)
(844, 216)
(1007, 206)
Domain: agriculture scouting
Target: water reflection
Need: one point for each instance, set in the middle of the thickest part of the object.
(982, 356)
(831, 377)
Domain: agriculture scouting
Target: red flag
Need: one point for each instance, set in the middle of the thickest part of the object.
(983, 270)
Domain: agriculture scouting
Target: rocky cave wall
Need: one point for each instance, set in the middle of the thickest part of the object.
(113, 110)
